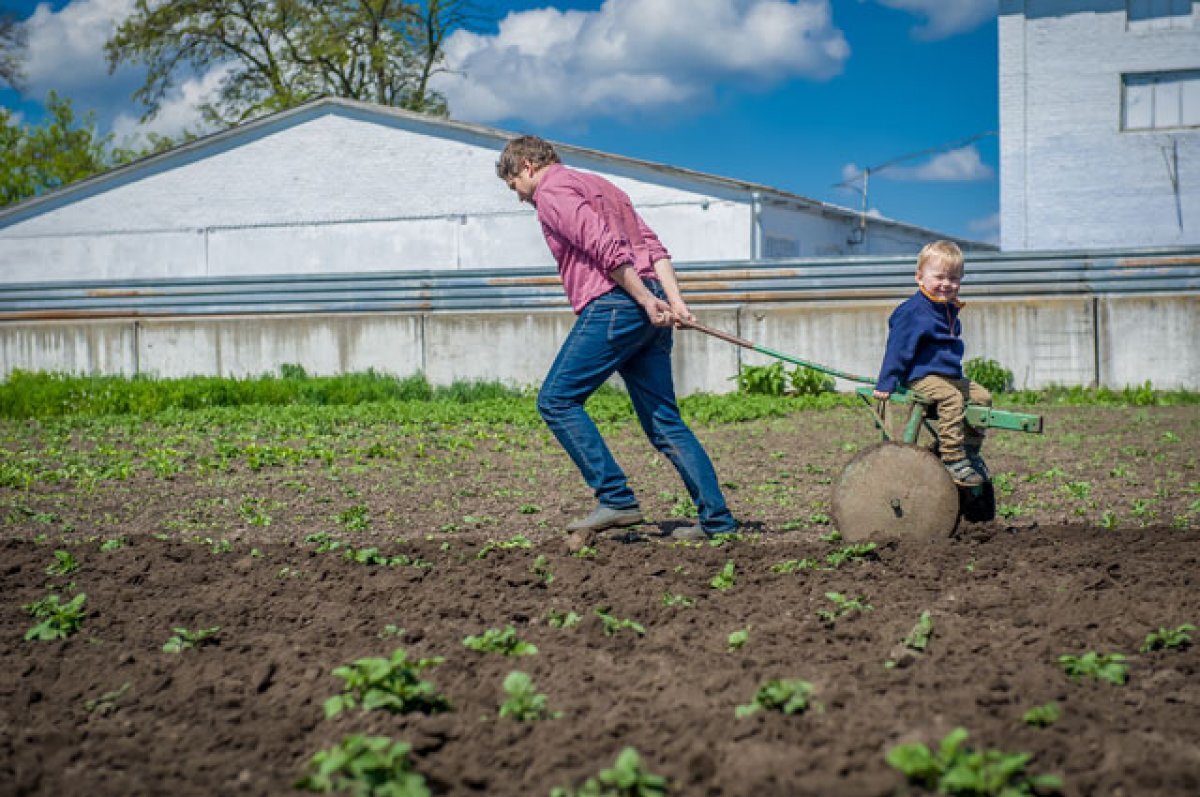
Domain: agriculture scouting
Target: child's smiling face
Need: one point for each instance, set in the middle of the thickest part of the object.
(940, 280)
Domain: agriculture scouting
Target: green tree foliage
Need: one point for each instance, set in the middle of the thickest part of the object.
(280, 53)
(39, 158)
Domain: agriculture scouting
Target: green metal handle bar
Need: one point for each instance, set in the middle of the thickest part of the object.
(978, 416)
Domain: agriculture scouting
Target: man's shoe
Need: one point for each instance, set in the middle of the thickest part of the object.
(689, 534)
(605, 517)
(963, 474)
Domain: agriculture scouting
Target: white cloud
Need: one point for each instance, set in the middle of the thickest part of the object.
(945, 18)
(547, 65)
(956, 166)
(66, 48)
(986, 229)
(179, 110)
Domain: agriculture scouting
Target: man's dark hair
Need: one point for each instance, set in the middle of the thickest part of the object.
(536, 150)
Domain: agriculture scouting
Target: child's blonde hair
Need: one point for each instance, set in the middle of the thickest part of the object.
(944, 252)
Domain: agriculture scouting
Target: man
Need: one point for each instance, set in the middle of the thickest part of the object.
(622, 287)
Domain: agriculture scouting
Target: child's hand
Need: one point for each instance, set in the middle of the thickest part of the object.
(881, 395)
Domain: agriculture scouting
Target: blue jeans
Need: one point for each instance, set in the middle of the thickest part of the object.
(613, 334)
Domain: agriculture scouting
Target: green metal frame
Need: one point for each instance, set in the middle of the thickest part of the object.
(977, 415)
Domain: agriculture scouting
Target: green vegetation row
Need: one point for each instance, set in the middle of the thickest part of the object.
(28, 395)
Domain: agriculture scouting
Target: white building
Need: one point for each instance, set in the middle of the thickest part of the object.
(1099, 123)
(337, 186)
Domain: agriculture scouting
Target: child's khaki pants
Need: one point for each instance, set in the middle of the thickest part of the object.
(951, 396)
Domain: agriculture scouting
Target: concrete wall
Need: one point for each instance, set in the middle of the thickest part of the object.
(1044, 341)
(1070, 177)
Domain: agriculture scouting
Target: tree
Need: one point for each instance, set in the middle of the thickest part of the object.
(61, 150)
(12, 50)
(280, 53)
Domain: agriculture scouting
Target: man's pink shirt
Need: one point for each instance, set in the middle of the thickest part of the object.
(591, 228)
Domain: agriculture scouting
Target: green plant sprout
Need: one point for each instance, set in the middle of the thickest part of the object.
(390, 631)
(725, 579)
(541, 569)
(671, 599)
(918, 637)
(557, 619)
(58, 620)
(792, 565)
(626, 778)
(842, 607)
(364, 766)
(738, 639)
(612, 624)
(393, 684)
(585, 552)
(1042, 716)
(516, 541)
(786, 695)
(108, 702)
(850, 553)
(184, 639)
(1108, 667)
(957, 770)
(503, 642)
(63, 565)
(1168, 639)
(372, 556)
(116, 543)
(524, 703)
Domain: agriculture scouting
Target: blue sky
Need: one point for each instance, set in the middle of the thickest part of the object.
(794, 94)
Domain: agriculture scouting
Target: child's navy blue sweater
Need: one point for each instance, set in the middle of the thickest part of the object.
(923, 339)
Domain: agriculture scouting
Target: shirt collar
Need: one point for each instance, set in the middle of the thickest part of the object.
(958, 303)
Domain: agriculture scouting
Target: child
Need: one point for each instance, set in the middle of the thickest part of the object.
(924, 352)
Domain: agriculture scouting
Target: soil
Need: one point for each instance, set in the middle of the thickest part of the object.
(1063, 570)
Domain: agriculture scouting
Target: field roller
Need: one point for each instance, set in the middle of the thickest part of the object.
(897, 488)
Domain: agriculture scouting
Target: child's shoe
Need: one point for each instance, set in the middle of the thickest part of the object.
(963, 474)
(976, 460)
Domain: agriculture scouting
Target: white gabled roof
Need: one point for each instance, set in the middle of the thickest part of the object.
(480, 135)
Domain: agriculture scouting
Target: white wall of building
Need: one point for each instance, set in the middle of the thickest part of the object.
(1070, 175)
(342, 188)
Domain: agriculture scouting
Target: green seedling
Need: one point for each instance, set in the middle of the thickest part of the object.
(725, 579)
(63, 565)
(516, 541)
(324, 541)
(1168, 639)
(792, 565)
(1108, 519)
(114, 544)
(390, 631)
(820, 518)
(786, 695)
(1042, 716)
(393, 684)
(626, 778)
(58, 620)
(918, 637)
(718, 540)
(670, 599)
(586, 552)
(541, 569)
(850, 553)
(524, 703)
(1109, 667)
(355, 518)
(185, 639)
(107, 702)
(612, 624)
(842, 607)
(738, 639)
(956, 770)
(364, 766)
(503, 642)
(557, 619)
(372, 556)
